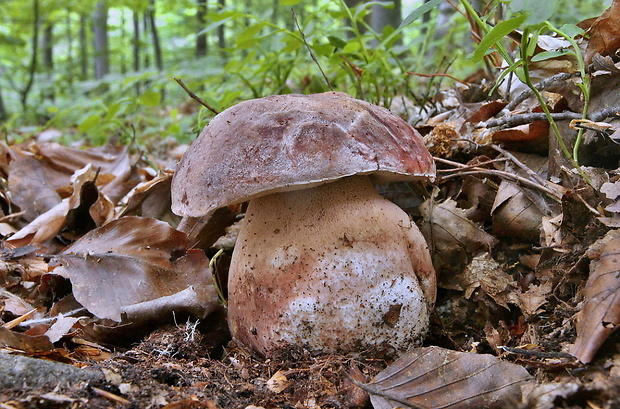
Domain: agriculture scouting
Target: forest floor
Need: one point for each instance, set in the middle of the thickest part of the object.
(525, 242)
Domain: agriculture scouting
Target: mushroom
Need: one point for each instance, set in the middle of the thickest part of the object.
(322, 261)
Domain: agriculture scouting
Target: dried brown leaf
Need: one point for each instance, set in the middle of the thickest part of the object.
(600, 315)
(82, 217)
(453, 238)
(604, 33)
(30, 186)
(435, 377)
(139, 267)
(485, 274)
(517, 212)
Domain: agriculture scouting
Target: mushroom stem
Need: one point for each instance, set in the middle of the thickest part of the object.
(332, 268)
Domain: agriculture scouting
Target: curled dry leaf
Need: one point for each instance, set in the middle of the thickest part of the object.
(435, 377)
(604, 33)
(485, 274)
(517, 212)
(136, 265)
(452, 237)
(600, 315)
(85, 210)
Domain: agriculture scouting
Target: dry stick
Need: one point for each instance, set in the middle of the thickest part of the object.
(542, 85)
(316, 61)
(535, 176)
(505, 175)
(520, 119)
(195, 97)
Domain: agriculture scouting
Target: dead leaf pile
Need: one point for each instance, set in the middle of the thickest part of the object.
(525, 243)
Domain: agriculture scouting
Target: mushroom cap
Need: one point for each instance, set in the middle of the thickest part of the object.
(289, 142)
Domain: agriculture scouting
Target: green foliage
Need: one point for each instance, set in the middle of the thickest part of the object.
(264, 53)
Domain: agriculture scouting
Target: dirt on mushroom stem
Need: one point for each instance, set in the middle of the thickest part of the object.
(334, 268)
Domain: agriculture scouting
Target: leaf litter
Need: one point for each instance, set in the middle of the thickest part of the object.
(94, 273)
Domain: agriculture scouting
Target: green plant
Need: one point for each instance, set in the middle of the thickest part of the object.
(533, 23)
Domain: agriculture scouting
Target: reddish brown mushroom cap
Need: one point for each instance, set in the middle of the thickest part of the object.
(290, 142)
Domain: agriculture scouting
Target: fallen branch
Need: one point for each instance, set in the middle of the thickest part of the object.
(553, 193)
(194, 96)
(520, 119)
(542, 85)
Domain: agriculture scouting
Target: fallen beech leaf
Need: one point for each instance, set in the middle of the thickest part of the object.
(29, 185)
(435, 377)
(604, 34)
(600, 315)
(278, 382)
(517, 212)
(134, 260)
(452, 237)
(96, 212)
(485, 274)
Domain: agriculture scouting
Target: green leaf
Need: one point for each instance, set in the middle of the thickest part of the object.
(352, 47)
(336, 41)
(571, 30)
(497, 34)
(88, 123)
(290, 2)
(150, 98)
(417, 13)
(547, 55)
(537, 11)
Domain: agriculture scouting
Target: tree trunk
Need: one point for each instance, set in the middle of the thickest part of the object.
(35, 51)
(135, 46)
(155, 37)
(69, 35)
(124, 40)
(145, 29)
(381, 17)
(100, 40)
(83, 40)
(47, 47)
(221, 40)
(202, 46)
(3, 114)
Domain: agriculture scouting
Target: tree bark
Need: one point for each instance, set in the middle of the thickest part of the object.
(100, 40)
(382, 17)
(135, 45)
(35, 51)
(202, 46)
(47, 47)
(155, 37)
(83, 40)
(221, 39)
(3, 114)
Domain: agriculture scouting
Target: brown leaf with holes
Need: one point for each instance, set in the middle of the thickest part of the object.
(435, 377)
(85, 209)
(604, 33)
(453, 238)
(138, 267)
(600, 315)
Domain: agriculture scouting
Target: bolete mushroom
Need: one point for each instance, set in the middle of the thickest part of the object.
(322, 261)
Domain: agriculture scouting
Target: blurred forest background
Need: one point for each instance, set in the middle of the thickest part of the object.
(104, 70)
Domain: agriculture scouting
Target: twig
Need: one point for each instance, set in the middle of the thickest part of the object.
(316, 61)
(194, 96)
(538, 354)
(540, 86)
(533, 175)
(110, 396)
(439, 75)
(501, 174)
(520, 119)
